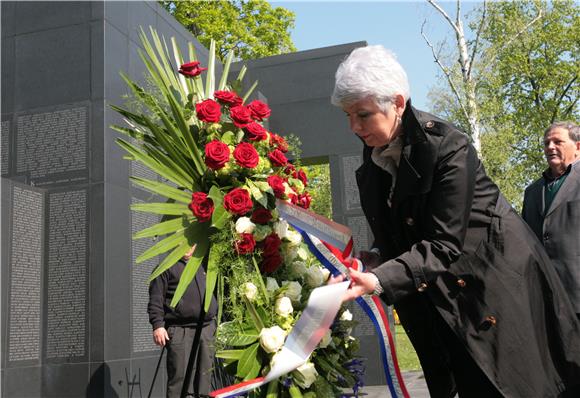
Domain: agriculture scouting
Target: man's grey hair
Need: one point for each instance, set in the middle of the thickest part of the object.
(371, 71)
(572, 128)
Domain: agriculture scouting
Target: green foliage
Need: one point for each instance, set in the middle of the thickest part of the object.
(405, 352)
(527, 78)
(249, 28)
(319, 188)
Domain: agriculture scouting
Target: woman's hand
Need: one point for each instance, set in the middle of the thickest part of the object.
(360, 283)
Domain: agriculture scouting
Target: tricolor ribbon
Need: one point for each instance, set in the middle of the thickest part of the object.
(332, 245)
(337, 258)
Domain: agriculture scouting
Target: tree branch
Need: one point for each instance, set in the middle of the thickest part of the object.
(445, 15)
(559, 100)
(478, 35)
(445, 71)
(492, 57)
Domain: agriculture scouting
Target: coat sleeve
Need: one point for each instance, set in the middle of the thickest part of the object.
(444, 225)
(155, 307)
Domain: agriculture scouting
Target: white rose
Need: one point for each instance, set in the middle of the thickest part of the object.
(325, 274)
(261, 231)
(313, 276)
(298, 268)
(271, 284)
(294, 237)
(326, 339)
(302, 253)
(284, 307)
(249, 290)
(346, 316)
(272, 339)
(290, 252)
(307, 375)
(281, 228)
(245, 226)
(293, 290)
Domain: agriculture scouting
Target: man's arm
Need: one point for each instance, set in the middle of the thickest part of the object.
(156, 309)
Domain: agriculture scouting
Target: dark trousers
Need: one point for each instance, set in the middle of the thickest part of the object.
(190, 353)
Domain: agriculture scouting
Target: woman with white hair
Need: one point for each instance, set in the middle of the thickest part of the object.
(472, 286)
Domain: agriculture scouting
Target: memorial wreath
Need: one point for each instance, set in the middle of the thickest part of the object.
(221, 175)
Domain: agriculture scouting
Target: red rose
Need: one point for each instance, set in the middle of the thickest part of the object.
(279, 142)
(260, 110)
(271, 244)
(277, 158)
(246, 155)
(208, 111)
(255, 132)
(241, 115)
(303, 200)
(217, 154)
(228, 98)
(290, 169)
(261, 216)
(238, 201)
(245, 244)
(271, 263)
(191, 69)
(301, 175)
(201, 206)
(277, 185)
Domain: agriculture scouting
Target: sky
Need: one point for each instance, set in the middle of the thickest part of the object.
(394, 24)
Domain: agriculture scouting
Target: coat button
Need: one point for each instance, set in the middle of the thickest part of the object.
(409, 221)
(461, 282)
(429, 124)
(488, 322)
(422, 286)
(547, 236)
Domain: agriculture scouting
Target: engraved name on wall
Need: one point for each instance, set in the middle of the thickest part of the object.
(4, 146)
(67, 274)
(350, 189)
(25, 275)
(52, 147)
(142, 337)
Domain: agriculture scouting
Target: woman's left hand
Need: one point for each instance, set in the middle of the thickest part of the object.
(360, 283)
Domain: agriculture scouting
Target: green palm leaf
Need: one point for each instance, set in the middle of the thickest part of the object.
(202, 243)
(164, 245)
(248, 365)
(162, 189)
(164, 228)
(170, 209)
(154, 164)
(211, 276)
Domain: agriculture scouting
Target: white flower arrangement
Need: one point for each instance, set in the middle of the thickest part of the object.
(272, 339)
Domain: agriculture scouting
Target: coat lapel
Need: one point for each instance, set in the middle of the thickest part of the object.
(566, 189)
(415, 173)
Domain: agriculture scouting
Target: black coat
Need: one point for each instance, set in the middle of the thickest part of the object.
(189, 310)
(559, 228)
(456, 252)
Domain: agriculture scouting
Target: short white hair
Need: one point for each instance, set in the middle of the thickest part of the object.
(371, 71)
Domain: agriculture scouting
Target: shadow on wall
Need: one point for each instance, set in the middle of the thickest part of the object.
(100, 384)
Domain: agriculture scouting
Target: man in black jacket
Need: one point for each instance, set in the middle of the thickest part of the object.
(186, 330)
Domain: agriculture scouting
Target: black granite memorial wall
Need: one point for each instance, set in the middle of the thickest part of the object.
(74, 315)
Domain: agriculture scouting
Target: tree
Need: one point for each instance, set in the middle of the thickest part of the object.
(527, 78)
(250, 28)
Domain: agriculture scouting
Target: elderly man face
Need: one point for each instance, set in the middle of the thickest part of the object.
(560, 150)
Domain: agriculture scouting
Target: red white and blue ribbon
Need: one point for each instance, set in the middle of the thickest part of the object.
(237, 389)
(337, 258)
